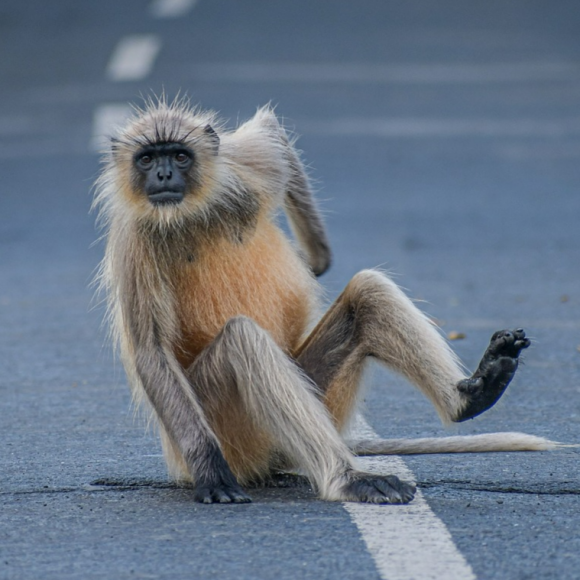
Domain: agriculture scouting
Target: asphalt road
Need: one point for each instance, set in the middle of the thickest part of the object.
(445, 141)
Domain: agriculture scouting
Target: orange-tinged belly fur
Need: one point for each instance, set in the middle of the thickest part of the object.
(261, 278)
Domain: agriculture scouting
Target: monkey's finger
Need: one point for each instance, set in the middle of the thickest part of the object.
(239, 496)
(220, 496)
(203, 495)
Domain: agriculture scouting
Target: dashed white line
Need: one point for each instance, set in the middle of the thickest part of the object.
(171, 8)
(133, 57)
(406, 542)
(106, 119)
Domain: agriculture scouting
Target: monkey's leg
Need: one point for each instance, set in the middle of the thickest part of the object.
(373, 317)
(244, 359)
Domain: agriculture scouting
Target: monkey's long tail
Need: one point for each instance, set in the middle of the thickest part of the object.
(487, 443)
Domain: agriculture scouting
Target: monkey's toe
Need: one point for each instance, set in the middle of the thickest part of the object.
(508, 343)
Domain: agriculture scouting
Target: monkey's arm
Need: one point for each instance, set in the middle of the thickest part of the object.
(183, 418)
(305, 217)
(268, 161)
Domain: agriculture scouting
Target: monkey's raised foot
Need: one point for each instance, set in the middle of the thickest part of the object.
(494, 373)
(221, 493)
(371, 488)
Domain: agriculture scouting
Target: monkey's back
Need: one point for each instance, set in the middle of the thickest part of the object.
(262, 278)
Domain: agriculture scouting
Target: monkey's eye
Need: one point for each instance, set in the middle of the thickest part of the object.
(182, 158)
(145, 160)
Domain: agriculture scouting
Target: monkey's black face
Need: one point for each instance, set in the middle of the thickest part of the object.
(164, 171)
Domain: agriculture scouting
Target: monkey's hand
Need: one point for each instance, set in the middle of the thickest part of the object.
(320, 256)
(206, 492)
(219, 486)
(374, 488)
(494, 373)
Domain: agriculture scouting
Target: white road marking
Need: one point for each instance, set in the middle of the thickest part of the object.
(133, 57)
(106, 119)
(406, 542)
(171, 8)
(413, 127)
(388, 73)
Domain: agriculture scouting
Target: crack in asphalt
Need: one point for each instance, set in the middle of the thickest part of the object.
(290, 480)
(560, 488)
(286, 480)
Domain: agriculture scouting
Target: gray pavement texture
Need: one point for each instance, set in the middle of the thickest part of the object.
(445, 141)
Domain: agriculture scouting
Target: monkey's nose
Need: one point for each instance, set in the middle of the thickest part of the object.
(164, 174)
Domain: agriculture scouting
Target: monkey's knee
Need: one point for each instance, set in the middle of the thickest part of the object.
(244, 335)
(244, 349)
(371, 297)
(239, 324)
(229, 355)
(370, 287)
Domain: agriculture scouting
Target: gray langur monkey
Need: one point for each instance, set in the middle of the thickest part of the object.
(211, 305)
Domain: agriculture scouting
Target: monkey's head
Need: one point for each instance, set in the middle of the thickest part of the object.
(163, 163)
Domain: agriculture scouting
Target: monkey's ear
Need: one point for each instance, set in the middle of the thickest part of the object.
(214, 137)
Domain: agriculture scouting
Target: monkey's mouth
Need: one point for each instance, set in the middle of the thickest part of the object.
(165, 197)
